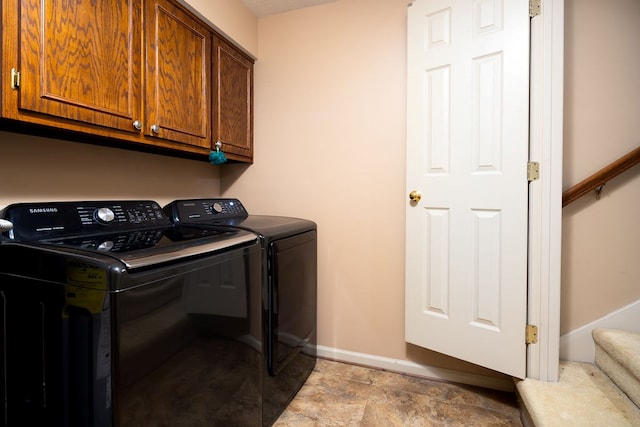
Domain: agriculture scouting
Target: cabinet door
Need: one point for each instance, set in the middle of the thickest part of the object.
(233, 101)
(178, 72)
(79, 60)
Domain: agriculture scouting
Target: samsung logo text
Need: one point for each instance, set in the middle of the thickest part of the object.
(43, 210)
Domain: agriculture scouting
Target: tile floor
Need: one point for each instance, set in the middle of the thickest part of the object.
(338, 394)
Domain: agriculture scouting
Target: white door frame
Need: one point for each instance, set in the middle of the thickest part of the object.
(545, 194)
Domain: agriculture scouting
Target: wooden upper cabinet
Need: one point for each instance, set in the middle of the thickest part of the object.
(79, 60)
(141, 71)
(178, 75)
(233, 101)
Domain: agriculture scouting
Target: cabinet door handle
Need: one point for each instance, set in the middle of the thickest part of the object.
(137, 124)
(155, 128)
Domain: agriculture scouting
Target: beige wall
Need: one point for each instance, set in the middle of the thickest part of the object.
(232, 18)
(330, 129)
(330, 146)
(600, 262)
(42, 169)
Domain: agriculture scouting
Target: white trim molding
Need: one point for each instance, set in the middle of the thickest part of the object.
(545, 194)
(578, 345)
(414, 369)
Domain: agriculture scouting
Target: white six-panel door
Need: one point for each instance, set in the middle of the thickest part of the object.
(467, 153)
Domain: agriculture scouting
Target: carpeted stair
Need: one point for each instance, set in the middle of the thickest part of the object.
(618, 356)
(606, 393)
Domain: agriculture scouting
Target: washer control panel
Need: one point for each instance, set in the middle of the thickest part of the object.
(133, 213)
(37, 221)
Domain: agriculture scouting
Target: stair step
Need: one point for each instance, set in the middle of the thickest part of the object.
(583, 396)
(618, 356)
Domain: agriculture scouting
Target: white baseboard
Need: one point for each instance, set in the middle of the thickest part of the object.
(578, 346)
(411, 368)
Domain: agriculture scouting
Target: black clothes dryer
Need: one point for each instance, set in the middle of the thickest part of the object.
(289, 247)
(113, 316)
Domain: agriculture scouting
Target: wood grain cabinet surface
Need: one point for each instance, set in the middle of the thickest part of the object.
(136, 71)
(178, 75)
(76, 62)
(233, 101)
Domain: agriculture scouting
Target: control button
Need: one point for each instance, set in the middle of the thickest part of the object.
(217, 207)
(104, 215)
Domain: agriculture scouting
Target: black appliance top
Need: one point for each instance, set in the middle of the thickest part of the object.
(216, 213)
(137, 233)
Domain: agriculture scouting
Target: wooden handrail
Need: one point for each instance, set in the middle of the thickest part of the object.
(600, 178)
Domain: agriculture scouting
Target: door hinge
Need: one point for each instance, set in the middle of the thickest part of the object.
(531, 334)
(534, 8)
(533, 171)
(15, 79)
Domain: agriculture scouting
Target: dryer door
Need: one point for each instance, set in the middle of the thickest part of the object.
(292, 299)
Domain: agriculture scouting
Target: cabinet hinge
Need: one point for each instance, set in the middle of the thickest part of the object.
(15, 79)
(533, 171)
(534, 8)
(531, 334)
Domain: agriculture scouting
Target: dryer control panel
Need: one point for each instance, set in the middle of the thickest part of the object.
(211, 211)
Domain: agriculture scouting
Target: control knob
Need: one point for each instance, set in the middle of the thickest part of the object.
(107, 245)
(217, 207)
(104, 215)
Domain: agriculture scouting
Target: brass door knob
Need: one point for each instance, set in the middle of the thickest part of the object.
(415, 196)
